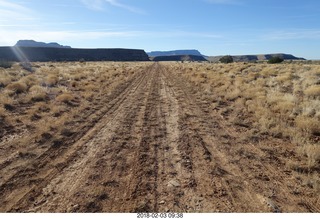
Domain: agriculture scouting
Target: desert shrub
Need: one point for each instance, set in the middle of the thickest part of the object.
(4, 80)
(91, 87)
(2, 112)
(79, 76)
(30, 80)
(312, 151)
(226, 59)
(17, 87)
(6, 101)
(313, 91)
(37, 93)
(58, 110)
(51, 80)
(65, 98)
(5, 64)
(307, 124)
(275, 59)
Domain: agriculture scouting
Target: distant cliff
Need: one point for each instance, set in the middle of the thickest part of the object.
(175, 52)
(32, 43)
(45, 54)
(179, 58)
(250, 58)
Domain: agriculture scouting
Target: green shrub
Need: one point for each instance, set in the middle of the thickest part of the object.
(226, 59)
(275, 59)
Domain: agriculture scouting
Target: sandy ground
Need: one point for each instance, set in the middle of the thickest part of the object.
(157, 148)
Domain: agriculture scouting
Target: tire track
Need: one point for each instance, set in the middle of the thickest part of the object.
(28, 182)
(156, 148)
(244, 177)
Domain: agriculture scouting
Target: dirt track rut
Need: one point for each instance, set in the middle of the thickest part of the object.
(157, 148)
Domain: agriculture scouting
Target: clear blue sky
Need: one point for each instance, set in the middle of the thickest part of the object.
(214, 27)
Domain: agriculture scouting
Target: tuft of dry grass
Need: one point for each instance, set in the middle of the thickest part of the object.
(51, 80)
(307, 124)
(17, 87)
(2, 112)
(5, 79)
(313, 91)
(312, 152)
(37, 93)
(65, 97)
(58, 110)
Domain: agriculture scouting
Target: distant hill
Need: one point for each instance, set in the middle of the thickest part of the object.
(32, 43)
(250, 58)
(45, 54)
(175, 52)
(179, 58)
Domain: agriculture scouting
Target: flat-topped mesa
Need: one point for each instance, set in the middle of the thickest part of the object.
(252, 58)
(29, 50)
(32, 43)
(175, 53)
(179, 58)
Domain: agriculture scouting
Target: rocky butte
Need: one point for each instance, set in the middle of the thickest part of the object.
(29, 50)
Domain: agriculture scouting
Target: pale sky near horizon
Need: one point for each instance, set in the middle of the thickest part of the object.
(214, 27)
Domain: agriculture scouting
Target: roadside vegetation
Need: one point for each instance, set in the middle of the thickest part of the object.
(279, 101)
(275, 60)
(40, 105)
(261, 101)
(226, 59)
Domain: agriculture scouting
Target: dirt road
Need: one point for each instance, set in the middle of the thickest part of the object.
(158, 147)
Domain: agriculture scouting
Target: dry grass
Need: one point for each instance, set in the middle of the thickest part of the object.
(17, 87)
(281, 100)
(2, 112)
(308, 126)
(44, 103)
(65, 98)
(5, 79)
(313, 91)
(312, 151)
(37, 93)
(51, 80)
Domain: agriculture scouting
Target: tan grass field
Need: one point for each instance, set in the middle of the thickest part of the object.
(144, 136)
(282, 100)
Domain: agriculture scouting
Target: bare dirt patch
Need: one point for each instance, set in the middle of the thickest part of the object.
(151, 142)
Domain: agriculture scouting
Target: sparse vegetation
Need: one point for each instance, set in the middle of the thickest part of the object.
(37, 93)
(258, 118)
(275, 60)
(226, 59)
(313, 91)
(65, 98)
(280, 101)
(17, 87)
(40, 96)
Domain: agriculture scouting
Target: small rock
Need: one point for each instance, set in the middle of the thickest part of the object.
(162, 202)
(173, 183)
